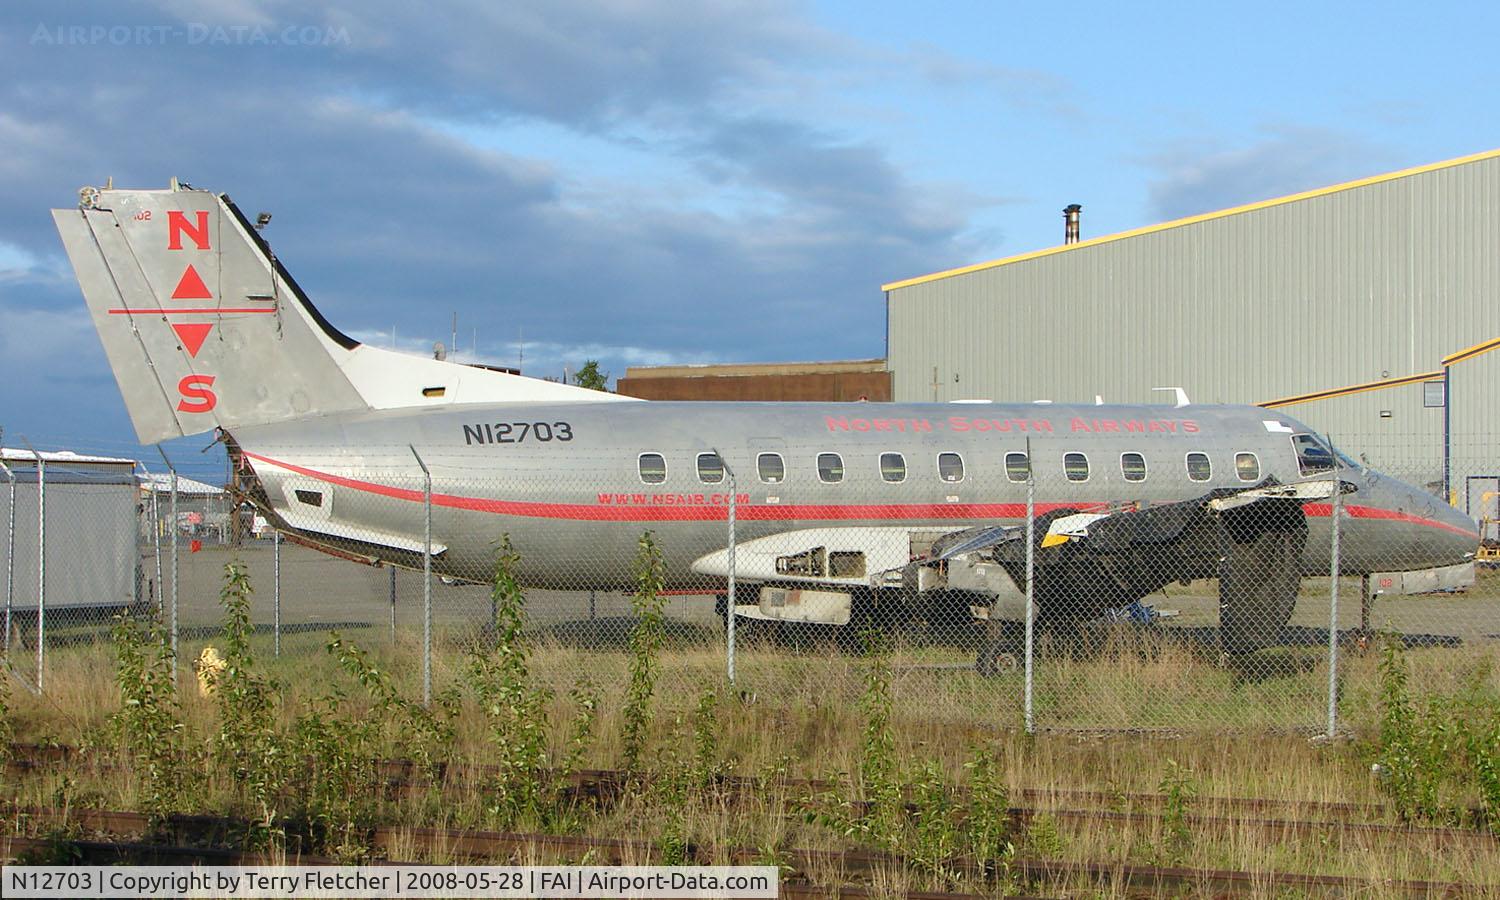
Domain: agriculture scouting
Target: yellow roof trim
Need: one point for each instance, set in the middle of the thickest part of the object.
(1382, 384)
(1191, 220)
(1471, 352)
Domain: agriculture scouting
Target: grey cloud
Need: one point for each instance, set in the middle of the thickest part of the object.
(386, 220)
(1197, 179)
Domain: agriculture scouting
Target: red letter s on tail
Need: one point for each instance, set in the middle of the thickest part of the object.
(196, 396)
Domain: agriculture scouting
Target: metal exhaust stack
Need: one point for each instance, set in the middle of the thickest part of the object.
(1070, 223)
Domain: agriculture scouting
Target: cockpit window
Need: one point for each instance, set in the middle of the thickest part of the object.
(1312, 454)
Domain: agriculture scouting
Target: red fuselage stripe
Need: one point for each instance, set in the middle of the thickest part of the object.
(1324, 510)
(770, 512)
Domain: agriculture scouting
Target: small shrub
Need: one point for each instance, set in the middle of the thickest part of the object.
(514, 708)
(1482, 745)
(148, 723)
(646, 639)
(706, 767)
(1436, 754)
(1412, 775)
(669, 791)
(1177, 789)
(877, 762)
(337, 784)
(248, 742)
(424, 734)
(7, 726)
(1043, 838)
(586, 698)
(987, 819)
(934, 835)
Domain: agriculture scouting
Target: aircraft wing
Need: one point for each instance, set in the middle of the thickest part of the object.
(1085, 563)
(1121, 529)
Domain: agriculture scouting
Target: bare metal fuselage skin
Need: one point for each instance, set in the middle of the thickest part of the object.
(574, 504)
(205, 330)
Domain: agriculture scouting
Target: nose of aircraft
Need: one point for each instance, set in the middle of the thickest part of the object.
(1437, 534)
(1460, 532)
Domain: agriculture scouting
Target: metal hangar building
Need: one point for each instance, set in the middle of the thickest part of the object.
(1368, 310)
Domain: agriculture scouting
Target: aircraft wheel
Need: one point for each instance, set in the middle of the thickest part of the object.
(999, 649)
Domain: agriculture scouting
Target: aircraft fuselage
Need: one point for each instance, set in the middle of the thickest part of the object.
(574, 485)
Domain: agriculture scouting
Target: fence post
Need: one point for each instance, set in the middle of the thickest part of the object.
(729, 603)
(276, 590)
(160, 593)
(172, 523)
(41, 565)
(10, 553)
(1333, 602)
(393, 605)
(426, 578)
(1030, 581)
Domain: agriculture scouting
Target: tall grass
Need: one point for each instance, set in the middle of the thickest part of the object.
(920, 760)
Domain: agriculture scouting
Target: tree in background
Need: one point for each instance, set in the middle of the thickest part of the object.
(590, 377)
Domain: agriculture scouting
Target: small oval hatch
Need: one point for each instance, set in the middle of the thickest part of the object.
(434, 391)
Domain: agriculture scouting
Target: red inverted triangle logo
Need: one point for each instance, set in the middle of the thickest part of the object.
(191, 287)
(192, 335)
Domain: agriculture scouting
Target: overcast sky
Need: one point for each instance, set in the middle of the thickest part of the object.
(658, 181)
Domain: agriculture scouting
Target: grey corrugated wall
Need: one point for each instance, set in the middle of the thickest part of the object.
(1376, 280)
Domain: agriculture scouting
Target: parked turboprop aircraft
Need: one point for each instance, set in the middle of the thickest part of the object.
(843, 510)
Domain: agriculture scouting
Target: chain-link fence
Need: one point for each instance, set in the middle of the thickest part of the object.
(1127, 591)
(72, 557)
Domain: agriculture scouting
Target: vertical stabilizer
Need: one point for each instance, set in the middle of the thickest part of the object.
(204, 328)
(198, 326)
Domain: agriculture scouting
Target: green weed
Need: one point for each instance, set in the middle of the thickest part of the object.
(670, 788)
(424, 734)
(646, 639)
(515, 709)
(877, 761)
(1043, 838)
(706, 767)
(935, 836)
(586, 698)
(148, 724)
(337, 783)
(247, 743)
(987, 821)
(1177, 789)
(7, 726)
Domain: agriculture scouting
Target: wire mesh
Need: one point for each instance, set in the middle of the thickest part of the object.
(1170, 592)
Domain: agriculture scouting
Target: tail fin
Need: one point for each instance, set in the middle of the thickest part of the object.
(204, 328)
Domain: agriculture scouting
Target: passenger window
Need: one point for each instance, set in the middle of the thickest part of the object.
(1247, 466)
(893, 467)
(770, 467)
(1312, 455)
(653, 468)
(830, 468)
(1076, 466)
(710, 468)
(1133, 466)
(1017, 467)
(950, 467)
(1198, 467)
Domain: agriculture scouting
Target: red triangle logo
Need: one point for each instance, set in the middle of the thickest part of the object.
(192, 335)
(191, 287)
